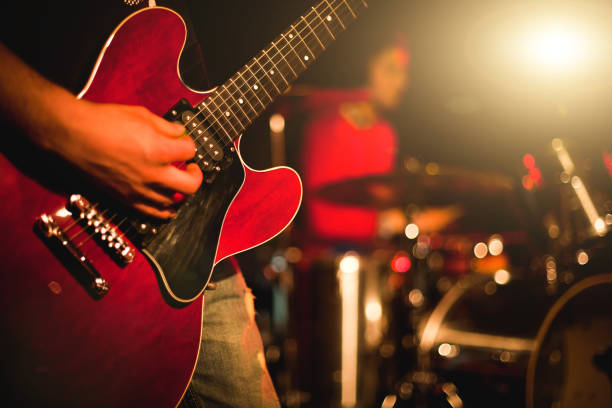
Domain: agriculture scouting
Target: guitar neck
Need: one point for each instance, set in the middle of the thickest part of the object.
(233, 106)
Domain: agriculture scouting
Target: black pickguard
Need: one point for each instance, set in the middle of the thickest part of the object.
(185, 247)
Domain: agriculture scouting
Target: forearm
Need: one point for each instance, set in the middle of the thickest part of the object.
(31, 102)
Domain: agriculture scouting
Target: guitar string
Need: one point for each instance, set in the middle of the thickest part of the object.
(291, 55)
(308, 30)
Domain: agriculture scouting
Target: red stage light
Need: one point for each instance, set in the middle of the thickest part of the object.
(536, 175)
(527, 183)
(528, 161)
(401, 262)
(607, 159)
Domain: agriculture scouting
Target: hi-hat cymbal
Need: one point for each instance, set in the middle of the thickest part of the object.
(433, 184)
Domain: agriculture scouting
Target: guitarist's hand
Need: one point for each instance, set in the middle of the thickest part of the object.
(126, 149)
(129, 151)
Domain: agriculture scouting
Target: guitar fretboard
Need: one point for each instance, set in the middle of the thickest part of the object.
(233, 106)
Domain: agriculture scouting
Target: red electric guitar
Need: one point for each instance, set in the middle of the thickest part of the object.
(101, 307)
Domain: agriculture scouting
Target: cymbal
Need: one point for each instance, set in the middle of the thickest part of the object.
(433, 184)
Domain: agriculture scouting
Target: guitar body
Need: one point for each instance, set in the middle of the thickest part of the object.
(138, 344)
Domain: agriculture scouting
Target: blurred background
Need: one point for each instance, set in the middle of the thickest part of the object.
(506, 121)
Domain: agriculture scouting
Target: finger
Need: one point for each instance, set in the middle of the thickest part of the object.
(174, 130)
(155, 212)
(160, 198)
(176, 150)
(186, 181)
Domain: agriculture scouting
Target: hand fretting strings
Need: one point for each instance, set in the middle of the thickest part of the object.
(289, 58)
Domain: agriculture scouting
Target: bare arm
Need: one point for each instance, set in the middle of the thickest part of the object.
(127, 150)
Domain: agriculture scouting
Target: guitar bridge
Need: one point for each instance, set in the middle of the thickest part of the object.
(101, 229)
(81, 212)
(56, 236)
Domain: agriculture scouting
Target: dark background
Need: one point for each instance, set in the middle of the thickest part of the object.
(475, 100)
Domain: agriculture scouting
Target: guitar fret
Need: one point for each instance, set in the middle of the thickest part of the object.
(257, 85)
(313, 32)
(231, 112)
(252, 90)
(242, 99)
(332, 20)
(308, 55)
(350, 9)
(226, 114)
(285, 59)
(324, 23)
(333, 10)
(266, 75)
(275, 67)
(244, 122)
(293, 49)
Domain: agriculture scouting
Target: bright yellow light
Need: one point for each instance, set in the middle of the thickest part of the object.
(412, 231)
(349, 291)
(277, 123)
(502, 277)
(448, 350)
(349, 264)
(496, 245)
(373, 311)
(557, 46)
(480, 250)
(582, 257)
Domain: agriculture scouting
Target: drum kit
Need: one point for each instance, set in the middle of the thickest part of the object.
(496, 292)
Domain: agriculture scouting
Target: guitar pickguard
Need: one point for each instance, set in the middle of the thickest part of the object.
(184, 249)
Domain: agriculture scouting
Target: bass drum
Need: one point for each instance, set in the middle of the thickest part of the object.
(513, 345)
(571, 364)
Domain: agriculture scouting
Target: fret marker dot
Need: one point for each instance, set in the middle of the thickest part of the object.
(290, 35)
(329, 18)
(306, 57)
(227, 114)
(255, 87)
(271, 72)
(240, 101)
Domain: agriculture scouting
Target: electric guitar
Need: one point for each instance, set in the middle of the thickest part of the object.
(101, 306)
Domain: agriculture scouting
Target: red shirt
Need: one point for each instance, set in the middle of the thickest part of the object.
(334, 150)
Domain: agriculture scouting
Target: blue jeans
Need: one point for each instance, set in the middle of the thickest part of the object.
(231, 369)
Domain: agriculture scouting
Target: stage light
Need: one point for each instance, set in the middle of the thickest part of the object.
(412, 231)
(349, 291)
(277, 123)
(373, 311)
(349, 263)
(556, 46)
(278, 263)
(502, 277)
(416, 298)
(496, 245)
(528, 161)
(401, 262)
(480, 250)
(448, 350)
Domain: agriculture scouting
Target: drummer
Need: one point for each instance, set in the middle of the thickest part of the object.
(352, 138)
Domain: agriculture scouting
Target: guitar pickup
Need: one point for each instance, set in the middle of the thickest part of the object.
(55, 236)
